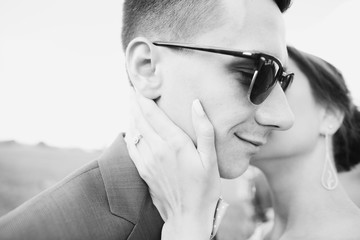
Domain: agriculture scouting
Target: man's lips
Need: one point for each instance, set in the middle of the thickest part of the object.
(256, 143)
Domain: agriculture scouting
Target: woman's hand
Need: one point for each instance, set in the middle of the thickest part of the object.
(183, 179)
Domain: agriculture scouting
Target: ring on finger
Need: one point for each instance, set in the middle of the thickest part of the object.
(137, 139)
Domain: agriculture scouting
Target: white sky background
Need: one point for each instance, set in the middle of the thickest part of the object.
(62, 78)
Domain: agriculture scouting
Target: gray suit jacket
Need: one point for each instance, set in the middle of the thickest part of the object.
(105, 199)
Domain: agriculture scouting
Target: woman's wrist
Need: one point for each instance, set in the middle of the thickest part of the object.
(200, 223)
(194, 226)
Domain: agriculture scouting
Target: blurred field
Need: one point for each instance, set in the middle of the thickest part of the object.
(26, 170)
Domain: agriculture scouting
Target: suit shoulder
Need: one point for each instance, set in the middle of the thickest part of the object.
(75, 208)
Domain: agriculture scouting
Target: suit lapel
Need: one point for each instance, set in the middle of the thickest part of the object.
(127, 193)
(149, 225)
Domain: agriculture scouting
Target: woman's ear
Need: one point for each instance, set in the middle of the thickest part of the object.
(141, 62)
(332, 120)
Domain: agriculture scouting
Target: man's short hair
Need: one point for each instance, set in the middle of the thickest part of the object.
(170, 20)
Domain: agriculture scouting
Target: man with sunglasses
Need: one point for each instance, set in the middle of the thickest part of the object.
(227, 53)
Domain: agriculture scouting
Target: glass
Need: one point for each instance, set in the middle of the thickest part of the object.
(268, 71)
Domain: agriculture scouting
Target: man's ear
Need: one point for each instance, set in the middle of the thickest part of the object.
(141, 62)
(332, 120)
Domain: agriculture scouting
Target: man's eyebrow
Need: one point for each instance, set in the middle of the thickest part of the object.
(239, 62)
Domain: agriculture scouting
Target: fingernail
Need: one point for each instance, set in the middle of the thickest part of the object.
(198, 108)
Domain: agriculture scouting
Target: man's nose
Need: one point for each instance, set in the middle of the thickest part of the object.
(275, 111)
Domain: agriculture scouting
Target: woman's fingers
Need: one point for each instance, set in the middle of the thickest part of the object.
(139, 151)
(159, 131)
(133, 152)
(141, 124)
(161, 123)
(204, 134)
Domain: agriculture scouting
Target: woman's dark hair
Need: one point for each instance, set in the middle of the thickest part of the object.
(329, 89)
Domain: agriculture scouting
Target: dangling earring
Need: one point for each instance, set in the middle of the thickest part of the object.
(329, 178)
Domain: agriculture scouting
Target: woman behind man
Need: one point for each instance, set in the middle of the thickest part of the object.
(308, 200)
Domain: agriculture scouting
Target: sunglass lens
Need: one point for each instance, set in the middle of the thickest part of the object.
(286, 81)
(263, 84)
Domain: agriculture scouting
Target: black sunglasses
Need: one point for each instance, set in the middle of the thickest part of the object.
(268, 71)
